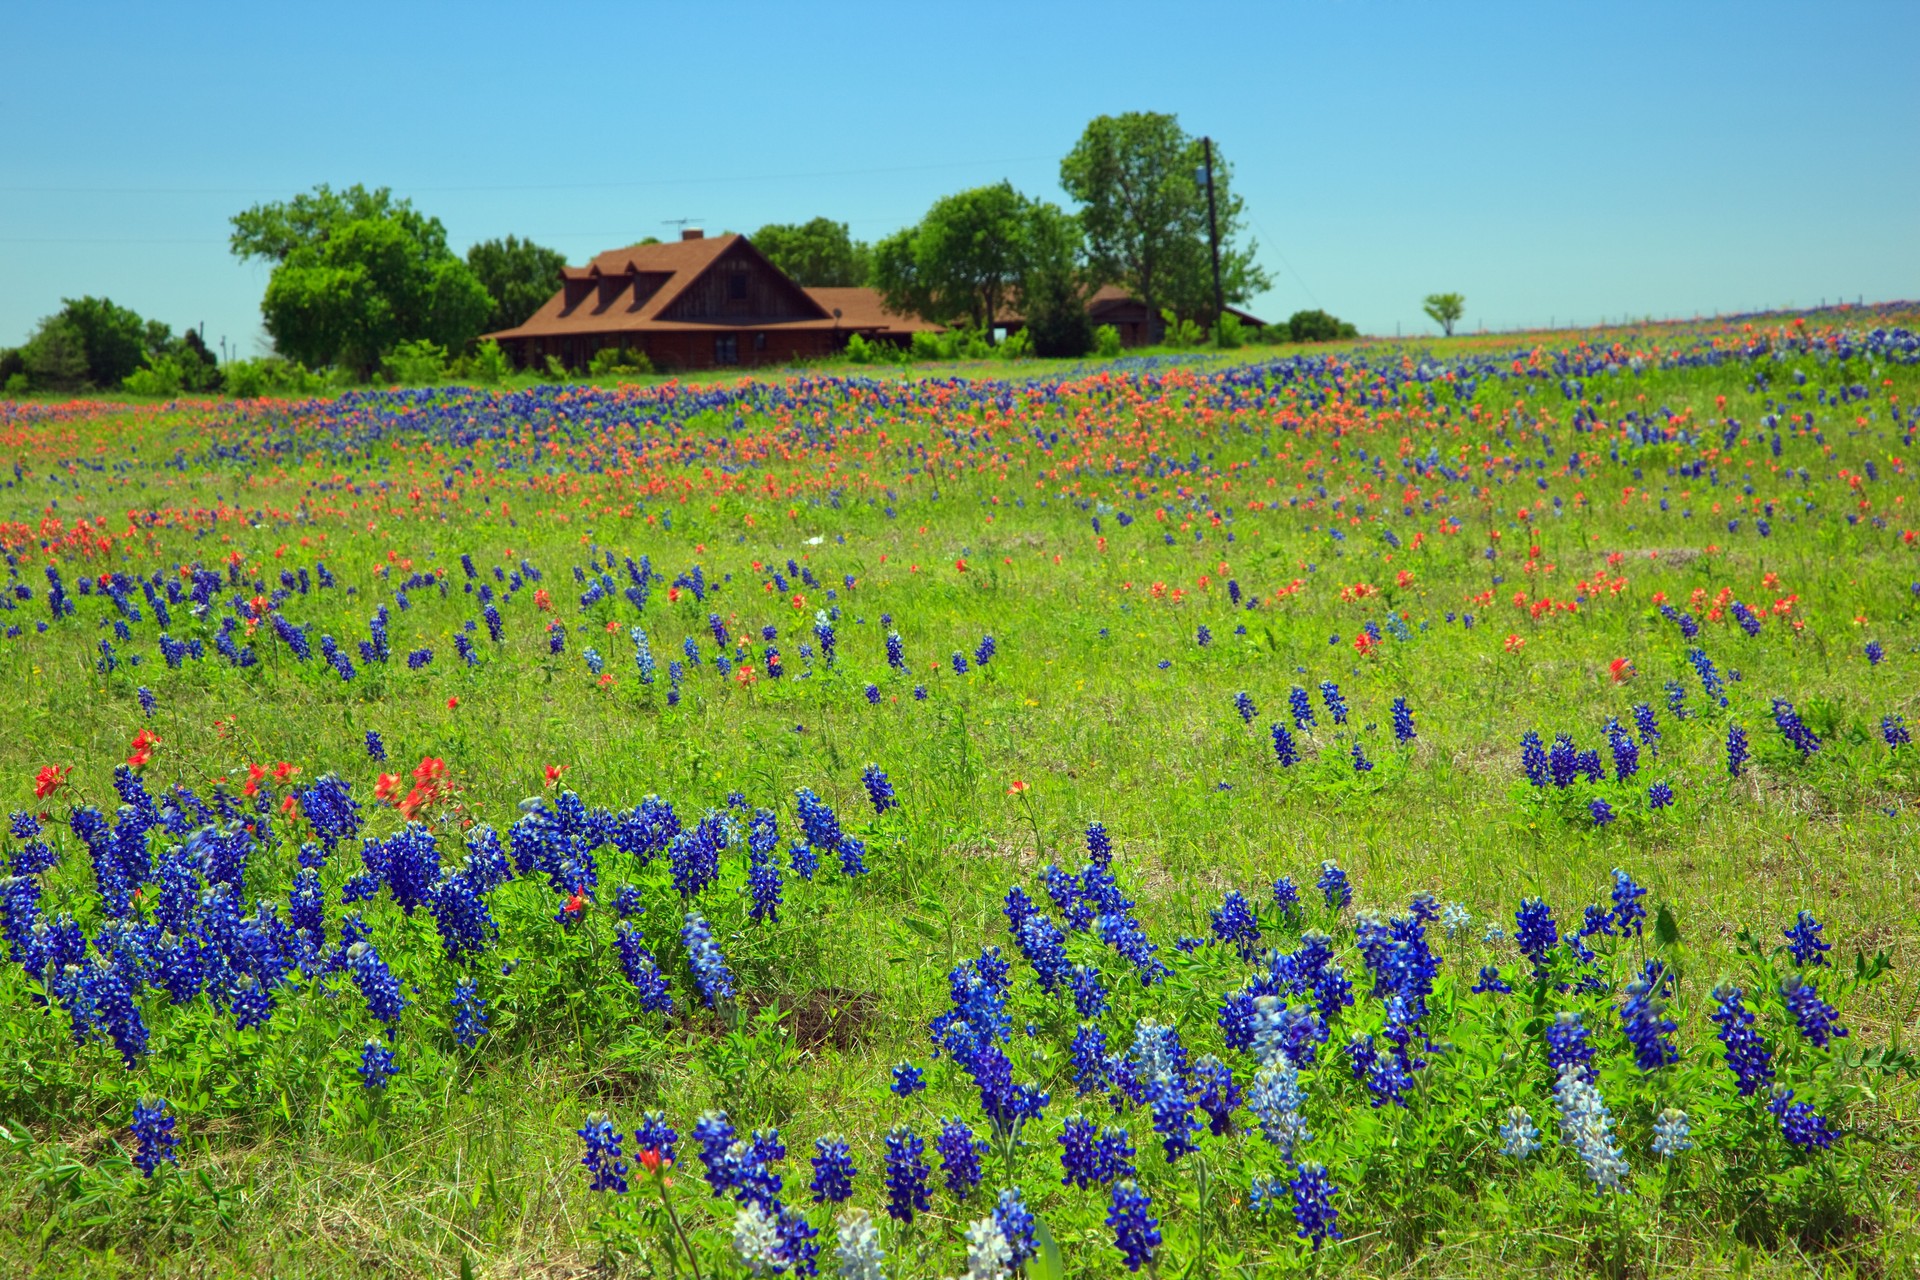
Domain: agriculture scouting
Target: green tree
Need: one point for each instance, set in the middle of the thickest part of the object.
(518, 275)
(1055, 284)
(1445, 309)
(116, 339)
(56, 355)
(356, 273)
(1145, 216)
(816, 253)
(1317, 326)
(963, 261)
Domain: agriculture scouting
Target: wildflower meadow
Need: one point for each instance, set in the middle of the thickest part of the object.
(1402, 809)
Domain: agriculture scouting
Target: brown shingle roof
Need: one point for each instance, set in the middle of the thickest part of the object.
(658, 274)
(861, 308)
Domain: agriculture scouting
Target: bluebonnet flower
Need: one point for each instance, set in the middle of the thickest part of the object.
(1874, 653)
(1088, 1053)
(602, 1158)
(833, 1171)
(654, 1134)
(1234, 924)
(1079, 1153)
(756, 1238)
(1894, 730)
(1302, 707)
(959, 663)
(857, 1247)
(1089, 994)
(1275, 1100)
(1518, 1136)
(1203, 637)
(873, 694)
(907, 1080)
(642, 971)
(470, 1014)
(1403, 721)
(959, 1153)
(1803, 941)
(1491, 981)
(1334, 886)
(1336, 705)
(376, 749)
(1659, 796)
(1283, 747)
(1016, 1224)
(1313, 1212)
(1671, 1133)
(1626, 752)
(1243, 703)
(1136, 1232)
(714, 1132)
(1648, 725)
(1286, 895)
(1709, 678)
(1173, 1116)
(1736, 750)
(1800, 1124)
(763, 885)
(983, 653)
(1793, 729)
(1677, 699)
(1535, 933)
(1099, 846)
(1587, 1126)
(153, 1136)
(378, 986)
(710, 972)
(1601, 812)
(896, 651)
(989, 1256)
(1360, 762)
(879, 789)
(1643, 1019)
(919, 693)
(906, 1174)
(1818, 1021)
(1533, 758)
(1747, 1054)
(803, 860)
(1568, 1045)
(377, 1066)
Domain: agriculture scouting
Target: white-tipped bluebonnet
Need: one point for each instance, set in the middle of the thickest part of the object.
(1587, 1127)
(1746, 1050)
(1671, 1133)
(857, 1247)
(1334, 886)
(602, 1157)
(1804, 943)
(1800, 1124)
(1302, 708)
(1643, 1019)
(1518, 1136)
(1818, 1021)
(1243, 703)
(469, 1014)
(959, 1153)
(1284, 750)
(1276, 1099)
(989, 1256)
(1403, 721)
(907, 1080)
(1314, 1216)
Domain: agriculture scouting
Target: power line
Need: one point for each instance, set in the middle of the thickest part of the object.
(546, 186)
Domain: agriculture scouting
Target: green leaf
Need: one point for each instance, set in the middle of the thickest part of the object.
(1045, 1263)
(1666, 931)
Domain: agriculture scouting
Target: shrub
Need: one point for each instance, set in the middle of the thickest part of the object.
(1318, 326)
(554, 370)
(1229, 333)
(1106, 342)
(488, 363)
(160, 377)
(1179, 333)
(611, 361)
(251, 379)
(1017, 346)
(417, 362)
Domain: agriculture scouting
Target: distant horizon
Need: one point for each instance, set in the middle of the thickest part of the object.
(1559, 170)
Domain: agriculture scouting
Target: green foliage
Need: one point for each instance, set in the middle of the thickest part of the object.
(1445, 309)
(271, 376)
(56, 356)
(1106, 342)
(518, 275)
(1056, 285)
(861, 351)
(489, 364)
(1181, 335)
(976, 253)
(817, 253)
(416, 363)
(1229, 334)
(356, 275)
(553, 370)
(1317, 326)
(1146, 217)
(611, 361)
(1018, 345)
(17, 385)
(954, 344)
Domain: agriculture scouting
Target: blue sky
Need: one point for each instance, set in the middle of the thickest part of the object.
(1549, 161)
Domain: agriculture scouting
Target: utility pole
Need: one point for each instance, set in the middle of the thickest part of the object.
(1213, 236)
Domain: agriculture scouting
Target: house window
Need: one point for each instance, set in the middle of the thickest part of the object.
(737, 286)
(759, 342)
(726, 350)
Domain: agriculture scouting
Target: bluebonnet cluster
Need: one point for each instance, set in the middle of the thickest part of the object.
(879, 789)
(153, 1135)
(1804, 943)
(1136, 1232)
(710, 973)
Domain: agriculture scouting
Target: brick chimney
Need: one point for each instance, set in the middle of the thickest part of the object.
(692, 233)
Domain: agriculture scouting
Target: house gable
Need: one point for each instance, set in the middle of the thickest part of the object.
(741, 287)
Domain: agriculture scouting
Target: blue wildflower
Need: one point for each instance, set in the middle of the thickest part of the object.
(154, 1136)
(1136, 1232)
(906, 1174)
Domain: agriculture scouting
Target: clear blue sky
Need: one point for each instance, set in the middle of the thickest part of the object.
(1548, 160)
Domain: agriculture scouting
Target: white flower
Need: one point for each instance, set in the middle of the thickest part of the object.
(756, 1240)
(860, 1252)
(989, 1256)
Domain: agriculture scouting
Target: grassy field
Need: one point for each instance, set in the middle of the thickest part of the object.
(1441, 548)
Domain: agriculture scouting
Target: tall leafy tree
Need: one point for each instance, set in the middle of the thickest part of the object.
(965, 259)
(1056, 284)
(1145, 214)
(356, 273)
(518, 275)
(817, 252)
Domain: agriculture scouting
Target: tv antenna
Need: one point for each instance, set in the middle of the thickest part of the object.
(678, 224)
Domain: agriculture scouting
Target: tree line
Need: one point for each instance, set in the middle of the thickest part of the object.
(362, 282)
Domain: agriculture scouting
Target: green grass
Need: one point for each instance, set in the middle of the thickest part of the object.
(289, 1168)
